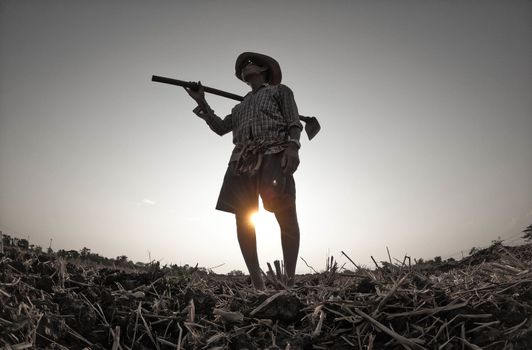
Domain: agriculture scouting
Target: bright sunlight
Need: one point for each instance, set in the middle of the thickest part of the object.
(264, 221)
(254, 218)
(261, 219)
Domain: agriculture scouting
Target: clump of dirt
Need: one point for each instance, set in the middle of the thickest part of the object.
(284, 308)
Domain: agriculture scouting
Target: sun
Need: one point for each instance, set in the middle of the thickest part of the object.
(254, 218)
(258, 218)
(267, 233)
(264, 221)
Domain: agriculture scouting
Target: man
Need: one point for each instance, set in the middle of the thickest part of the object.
(266, 131)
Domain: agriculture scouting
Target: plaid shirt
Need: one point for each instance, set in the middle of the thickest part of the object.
(263, 115)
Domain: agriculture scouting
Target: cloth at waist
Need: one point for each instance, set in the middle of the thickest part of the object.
(247, 156)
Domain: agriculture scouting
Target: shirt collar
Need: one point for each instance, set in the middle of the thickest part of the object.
(260, 87)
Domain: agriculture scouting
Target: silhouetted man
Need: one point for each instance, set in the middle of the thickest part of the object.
(266, 131)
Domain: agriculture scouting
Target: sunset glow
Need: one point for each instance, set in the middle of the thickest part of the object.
(261, 219)
(264, 222)
(254, 218)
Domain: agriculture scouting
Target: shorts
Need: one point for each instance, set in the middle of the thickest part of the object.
(240, 193)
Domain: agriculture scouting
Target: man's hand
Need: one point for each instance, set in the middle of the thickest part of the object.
(290, 159)
(197, 94)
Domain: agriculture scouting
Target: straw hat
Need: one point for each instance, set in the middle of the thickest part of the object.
(274, 70)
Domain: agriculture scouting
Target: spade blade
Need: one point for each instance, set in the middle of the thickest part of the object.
(312, 126)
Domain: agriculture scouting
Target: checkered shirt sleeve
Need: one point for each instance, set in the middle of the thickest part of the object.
(217, 124)
(288, 106)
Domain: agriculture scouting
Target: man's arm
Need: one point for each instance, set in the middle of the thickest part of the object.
(217, 124)
(290, 160)
(295, 134)
(205, 112)
(289, 110)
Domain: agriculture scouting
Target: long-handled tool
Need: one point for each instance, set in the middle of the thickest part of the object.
(312, 126)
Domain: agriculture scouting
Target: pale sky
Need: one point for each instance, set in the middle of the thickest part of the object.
(425, 107)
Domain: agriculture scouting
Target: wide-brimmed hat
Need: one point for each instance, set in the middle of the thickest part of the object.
(274, 70)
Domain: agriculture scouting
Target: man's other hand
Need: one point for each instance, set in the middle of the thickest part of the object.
(290, 159)
(198, 94)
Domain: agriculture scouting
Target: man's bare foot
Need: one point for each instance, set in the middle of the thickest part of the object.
(289, 281)
(257, 281)
(259, 285)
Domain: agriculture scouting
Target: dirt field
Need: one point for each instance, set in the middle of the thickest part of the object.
(483, 301)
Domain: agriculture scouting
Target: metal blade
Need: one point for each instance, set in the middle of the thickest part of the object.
(312, 126)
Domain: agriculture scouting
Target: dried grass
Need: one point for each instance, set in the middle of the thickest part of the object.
(475, 303)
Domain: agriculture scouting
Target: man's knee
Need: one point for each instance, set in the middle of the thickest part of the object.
(243, 220)
(287, 218)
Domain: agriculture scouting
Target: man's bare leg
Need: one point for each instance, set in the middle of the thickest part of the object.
(287, 219)
(248, 245)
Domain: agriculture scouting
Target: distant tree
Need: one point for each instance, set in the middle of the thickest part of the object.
(121, 260)
(235, 273)
(473, 250)
(97, 258)
(23, 243)
(6, 239)
(72, 254)
(38, 249)
(437, 259)
(84, 252)
(528, 233)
